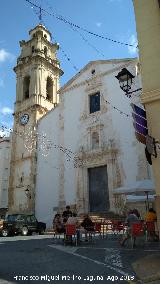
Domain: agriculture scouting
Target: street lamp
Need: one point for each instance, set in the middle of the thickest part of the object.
(27, 192)
(125, 79)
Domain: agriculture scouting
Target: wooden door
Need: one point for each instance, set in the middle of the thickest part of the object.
(98, 189)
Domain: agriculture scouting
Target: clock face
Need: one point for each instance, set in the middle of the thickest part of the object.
(24, 118)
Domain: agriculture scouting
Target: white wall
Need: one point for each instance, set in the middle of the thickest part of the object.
(69, 125)
(47, 179)
(4, 171)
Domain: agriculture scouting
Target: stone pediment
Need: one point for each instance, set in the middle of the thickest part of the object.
(82, 78)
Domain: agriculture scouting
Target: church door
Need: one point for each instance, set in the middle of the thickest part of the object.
(98, 189)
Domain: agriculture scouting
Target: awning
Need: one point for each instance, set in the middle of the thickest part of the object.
(138, 187)
(138, 198)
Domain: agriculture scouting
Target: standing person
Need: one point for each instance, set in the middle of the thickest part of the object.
(66, 214)
(131, 219)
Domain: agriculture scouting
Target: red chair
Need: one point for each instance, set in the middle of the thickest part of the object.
(137, 230)
(70, 232)
(150, 226)
(150, 231)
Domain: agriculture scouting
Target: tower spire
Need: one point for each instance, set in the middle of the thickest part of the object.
(40, 15)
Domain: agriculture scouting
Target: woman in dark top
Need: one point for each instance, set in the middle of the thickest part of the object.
(87, 223)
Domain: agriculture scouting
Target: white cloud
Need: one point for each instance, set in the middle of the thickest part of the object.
(98, 24)
(5, 133)
(133, 41)
(5, 128)
(5, 55)
(6, 110)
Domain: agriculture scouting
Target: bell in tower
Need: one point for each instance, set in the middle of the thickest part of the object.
(37, 73)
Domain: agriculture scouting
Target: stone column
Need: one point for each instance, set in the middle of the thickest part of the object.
(55, 91)
(80, 196)
(19, 89)
(62, 202)
(33, 82)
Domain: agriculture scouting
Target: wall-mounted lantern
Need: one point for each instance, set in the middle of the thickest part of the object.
(27, 192)
(125, 79)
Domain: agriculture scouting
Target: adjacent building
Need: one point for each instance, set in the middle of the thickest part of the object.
(147, 14)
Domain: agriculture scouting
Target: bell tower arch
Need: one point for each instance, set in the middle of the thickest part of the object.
(37, 82)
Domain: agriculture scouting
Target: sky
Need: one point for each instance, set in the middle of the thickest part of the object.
(114, 19)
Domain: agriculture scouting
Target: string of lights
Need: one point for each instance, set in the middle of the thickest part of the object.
(83, 38)
(115, 108)
(68, 58)
(61, 18)
(5, 129)
(81, 35)
(88, 43)
(34, 141)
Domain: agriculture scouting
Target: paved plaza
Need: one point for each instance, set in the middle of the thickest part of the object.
(40, 259)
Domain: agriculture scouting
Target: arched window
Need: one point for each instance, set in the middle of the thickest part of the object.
(95, 140)
(26, 84)
(45, 50)
(45, 36)
(49, 89)
(32, 48)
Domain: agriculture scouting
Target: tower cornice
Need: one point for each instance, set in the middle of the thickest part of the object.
(51, 44)
(49, 63)
(34, 100)
(39, 26)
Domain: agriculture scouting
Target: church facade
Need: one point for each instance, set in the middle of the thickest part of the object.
(73, 145)
(90, 145)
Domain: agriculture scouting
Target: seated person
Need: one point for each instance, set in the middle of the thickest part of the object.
(151, 216)
(131, 219)
(87, 223)
(58, 225)
(136, 212)
(66, 214)
(88, 226)
(72, 220)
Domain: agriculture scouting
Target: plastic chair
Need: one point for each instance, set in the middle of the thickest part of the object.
(150, 231)
(137, 230)
(70, 231)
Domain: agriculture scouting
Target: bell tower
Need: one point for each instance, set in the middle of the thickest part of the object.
(37, 82)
